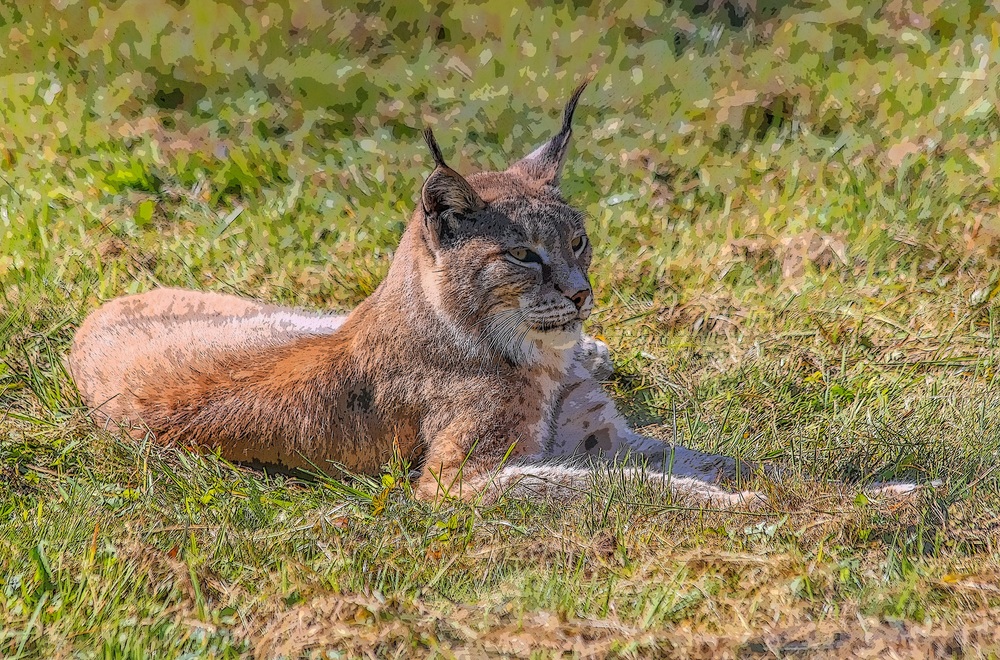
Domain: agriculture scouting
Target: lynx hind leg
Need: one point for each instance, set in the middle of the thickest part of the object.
(587, 423)
(133, 340)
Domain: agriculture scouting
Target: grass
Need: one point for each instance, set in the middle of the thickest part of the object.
(793, 207)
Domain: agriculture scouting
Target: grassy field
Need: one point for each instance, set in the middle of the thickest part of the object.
(794, 208)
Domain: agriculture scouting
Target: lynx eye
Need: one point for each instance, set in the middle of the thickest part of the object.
(578, 244)
(524, 256)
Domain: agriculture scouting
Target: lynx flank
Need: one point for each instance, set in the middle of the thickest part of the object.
(468, 352)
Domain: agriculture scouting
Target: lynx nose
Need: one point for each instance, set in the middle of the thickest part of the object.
(580, 298)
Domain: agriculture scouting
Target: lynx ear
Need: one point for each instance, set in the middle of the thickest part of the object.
(445, 191)
(544, 164)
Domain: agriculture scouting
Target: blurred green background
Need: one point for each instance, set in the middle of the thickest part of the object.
(717, 139)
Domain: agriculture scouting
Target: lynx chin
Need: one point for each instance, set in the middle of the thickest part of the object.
(468, 359)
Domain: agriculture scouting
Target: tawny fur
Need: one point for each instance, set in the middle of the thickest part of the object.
(462, 356)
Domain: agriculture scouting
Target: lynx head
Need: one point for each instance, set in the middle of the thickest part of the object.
(510, 254)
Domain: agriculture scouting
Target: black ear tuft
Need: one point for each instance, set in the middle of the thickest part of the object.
(571, 106)
(545, 163)
(446, 195)
(433, 146)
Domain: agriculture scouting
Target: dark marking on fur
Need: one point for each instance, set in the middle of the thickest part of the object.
(600, 440)
(360, 400)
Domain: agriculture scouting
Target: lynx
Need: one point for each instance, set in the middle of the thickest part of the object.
(467, 361)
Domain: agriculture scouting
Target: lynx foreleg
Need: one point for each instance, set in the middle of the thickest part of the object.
(588, 424)
(570, 482)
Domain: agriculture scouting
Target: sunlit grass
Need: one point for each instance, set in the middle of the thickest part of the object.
(807, 280)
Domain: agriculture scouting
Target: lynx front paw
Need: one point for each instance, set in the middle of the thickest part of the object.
(595, 356)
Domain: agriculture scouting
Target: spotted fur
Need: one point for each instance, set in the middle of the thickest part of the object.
(468, 352)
